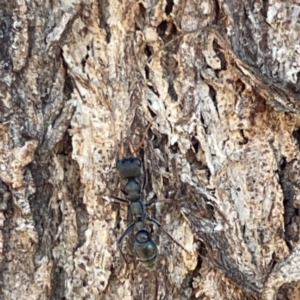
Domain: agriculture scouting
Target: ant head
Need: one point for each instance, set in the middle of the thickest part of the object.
(129, 167)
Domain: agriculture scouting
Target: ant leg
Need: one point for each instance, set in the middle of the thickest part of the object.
(156, 201)
(170, 237)
(128, 229)
(119, 199)
(145, 170)
(132, 149)
(150, 203)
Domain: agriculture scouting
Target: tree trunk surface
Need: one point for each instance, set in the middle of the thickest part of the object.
(208, 89)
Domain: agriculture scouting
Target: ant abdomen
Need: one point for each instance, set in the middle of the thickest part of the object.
(145, 249)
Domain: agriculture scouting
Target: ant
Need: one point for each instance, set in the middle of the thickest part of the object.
(131, 168)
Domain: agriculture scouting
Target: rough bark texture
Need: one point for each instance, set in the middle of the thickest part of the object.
(217, 81)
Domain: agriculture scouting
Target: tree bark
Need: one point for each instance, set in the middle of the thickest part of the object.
(210, 90)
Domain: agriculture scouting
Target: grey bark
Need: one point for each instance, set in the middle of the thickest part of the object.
(215, 83)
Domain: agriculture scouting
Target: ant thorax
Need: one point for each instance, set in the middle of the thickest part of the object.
(139, 225)
(132, 189)
(137, 209)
